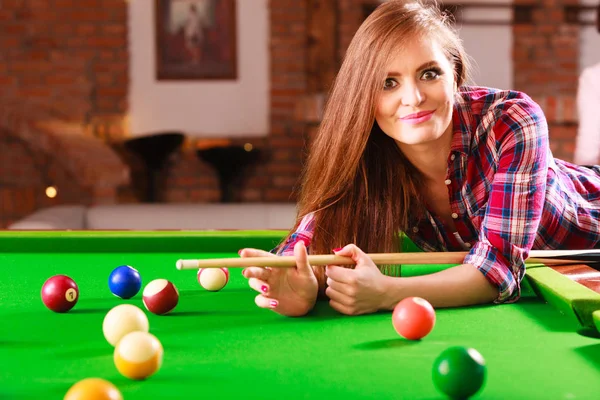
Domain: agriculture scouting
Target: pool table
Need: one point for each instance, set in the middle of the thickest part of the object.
(219, 345)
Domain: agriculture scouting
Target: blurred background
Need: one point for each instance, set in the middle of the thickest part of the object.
(188, 104)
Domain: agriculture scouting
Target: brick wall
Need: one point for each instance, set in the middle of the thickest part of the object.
(69, 56)
(546, 66)
(70, 53)
(25, 176)
(40, 148)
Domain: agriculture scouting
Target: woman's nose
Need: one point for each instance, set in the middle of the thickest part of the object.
(411, 94)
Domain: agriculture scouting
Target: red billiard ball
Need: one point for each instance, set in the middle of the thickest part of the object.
(413, 318)
(60, 293)
(160, 296)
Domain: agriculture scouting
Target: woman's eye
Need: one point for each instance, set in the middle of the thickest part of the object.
(430, 74)
(389, 84)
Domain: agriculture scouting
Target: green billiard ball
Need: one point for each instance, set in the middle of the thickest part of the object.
(459, 372)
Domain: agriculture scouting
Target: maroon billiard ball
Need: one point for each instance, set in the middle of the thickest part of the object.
(160, 296)
(60, 293)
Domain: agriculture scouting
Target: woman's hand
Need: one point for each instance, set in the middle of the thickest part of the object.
(287, 291)
(356, 291)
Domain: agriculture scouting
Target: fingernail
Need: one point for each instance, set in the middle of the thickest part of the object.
(244, 273)
(273, 303)
(240, 252)
(338, 249)
(264, 288)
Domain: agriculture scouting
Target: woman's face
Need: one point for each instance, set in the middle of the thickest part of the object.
(415, 103)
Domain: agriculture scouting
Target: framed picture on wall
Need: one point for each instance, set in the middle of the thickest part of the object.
(195, 39)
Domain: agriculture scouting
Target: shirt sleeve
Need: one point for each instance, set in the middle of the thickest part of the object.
(304, 233)
(516, 198)
(587, 145)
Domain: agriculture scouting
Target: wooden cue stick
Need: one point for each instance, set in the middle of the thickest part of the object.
(543, 257)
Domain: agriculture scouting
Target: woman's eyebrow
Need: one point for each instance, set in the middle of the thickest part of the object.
(428, 64)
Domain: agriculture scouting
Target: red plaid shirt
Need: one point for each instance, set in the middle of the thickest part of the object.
(508, 194)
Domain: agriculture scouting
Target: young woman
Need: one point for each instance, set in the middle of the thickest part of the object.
(404, 146)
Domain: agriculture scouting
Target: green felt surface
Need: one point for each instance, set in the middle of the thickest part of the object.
(220, 345)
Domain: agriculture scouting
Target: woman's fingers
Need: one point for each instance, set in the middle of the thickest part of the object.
(301, 255)
(339, 297)
(265, 302)
(341, 287)
(341, 308)
(259, 285)
(257, 272)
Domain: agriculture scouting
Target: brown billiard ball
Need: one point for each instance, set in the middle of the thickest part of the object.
(60, 293)
(160, 296)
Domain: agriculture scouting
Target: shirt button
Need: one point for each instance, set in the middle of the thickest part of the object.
(452, 157)
(415, 229)
(454, 215)
(447, 181)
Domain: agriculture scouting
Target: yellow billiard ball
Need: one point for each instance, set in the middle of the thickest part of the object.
(138, 355)
(93, 389)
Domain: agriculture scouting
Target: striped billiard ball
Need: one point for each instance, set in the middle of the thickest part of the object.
(160, 296)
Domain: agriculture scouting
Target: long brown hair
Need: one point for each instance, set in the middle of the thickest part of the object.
(358, 183)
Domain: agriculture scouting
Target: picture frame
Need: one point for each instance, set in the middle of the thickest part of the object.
(196, 39)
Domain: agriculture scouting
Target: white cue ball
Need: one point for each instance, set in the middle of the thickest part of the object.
(123, 319)
(213, 279)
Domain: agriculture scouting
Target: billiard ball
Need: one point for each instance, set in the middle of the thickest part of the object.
(60, 293)
(213, 279)
(123, 319)
(124, 282)
(138, 355)
(93, 389)
(160, 296)
(459, 372)
(413, 318)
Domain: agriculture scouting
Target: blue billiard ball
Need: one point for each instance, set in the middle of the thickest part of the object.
(124, 282)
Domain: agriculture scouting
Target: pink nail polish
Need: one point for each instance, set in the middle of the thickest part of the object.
(264, 288)
(338, 249)
(273, 303)
(240, 252)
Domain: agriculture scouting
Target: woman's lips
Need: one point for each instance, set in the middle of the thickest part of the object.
(417, 118)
